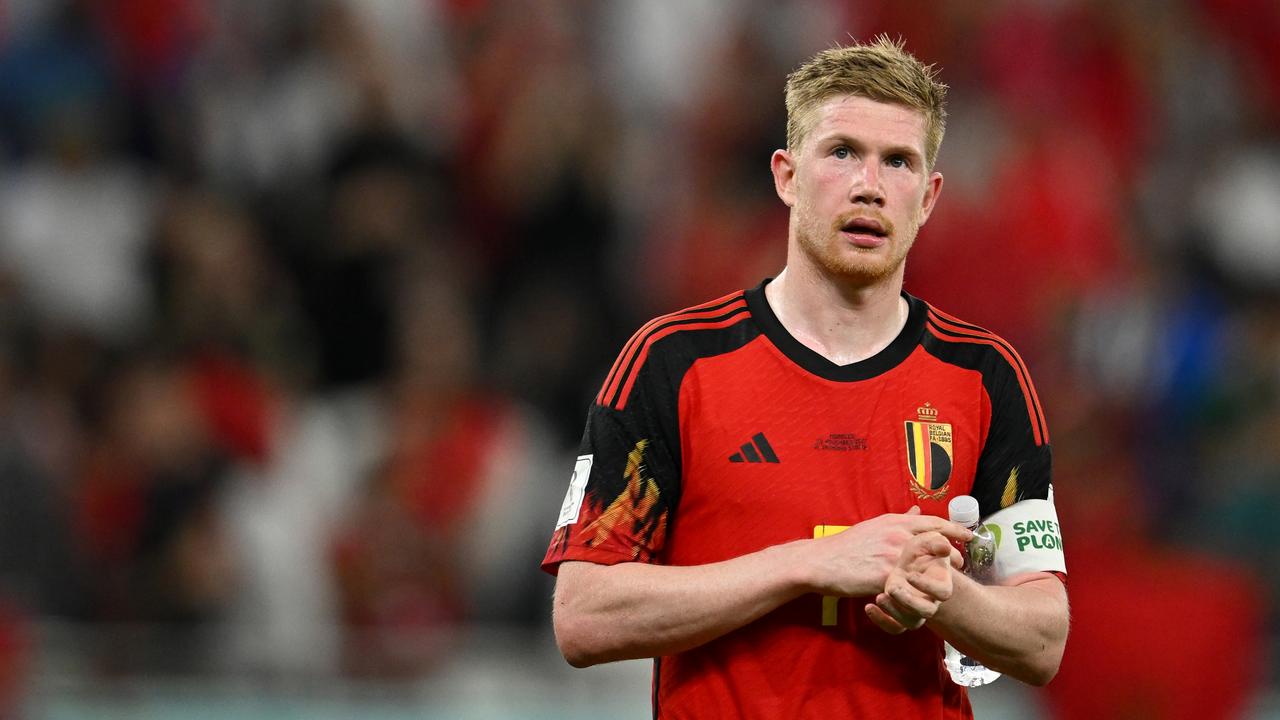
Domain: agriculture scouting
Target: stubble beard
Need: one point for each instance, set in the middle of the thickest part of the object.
(832, 254)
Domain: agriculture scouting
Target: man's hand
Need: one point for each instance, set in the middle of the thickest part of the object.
(918, 584)
(860, 561)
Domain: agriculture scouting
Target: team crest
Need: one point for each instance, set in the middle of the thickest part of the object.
(929, 454)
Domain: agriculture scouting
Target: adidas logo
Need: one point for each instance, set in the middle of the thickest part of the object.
(758, 450)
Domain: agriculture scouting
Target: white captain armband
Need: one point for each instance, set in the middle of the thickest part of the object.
(1028, 539)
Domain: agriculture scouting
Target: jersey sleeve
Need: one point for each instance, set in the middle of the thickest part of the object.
(625, 482)
(1016, 459)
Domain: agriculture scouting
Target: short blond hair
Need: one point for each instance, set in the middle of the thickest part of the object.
(881, 70)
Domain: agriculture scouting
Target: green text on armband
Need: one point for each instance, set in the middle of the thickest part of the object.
(1038, 534)
(1028, 539)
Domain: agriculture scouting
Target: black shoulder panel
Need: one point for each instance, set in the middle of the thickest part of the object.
(1016, 459)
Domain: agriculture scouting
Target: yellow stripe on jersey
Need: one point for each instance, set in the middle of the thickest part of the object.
(920, 441)
(830, 603)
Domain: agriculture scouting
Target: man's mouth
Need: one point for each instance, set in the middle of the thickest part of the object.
(865, 226)
(866, 233)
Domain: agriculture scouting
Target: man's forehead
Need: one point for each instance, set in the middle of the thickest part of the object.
(855, 114)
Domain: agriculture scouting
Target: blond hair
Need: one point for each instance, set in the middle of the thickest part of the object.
(881, 70)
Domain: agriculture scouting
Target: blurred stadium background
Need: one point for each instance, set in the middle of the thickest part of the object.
(302, 303)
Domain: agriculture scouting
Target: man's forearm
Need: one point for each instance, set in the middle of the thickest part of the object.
(637, 610)
(1020, 630)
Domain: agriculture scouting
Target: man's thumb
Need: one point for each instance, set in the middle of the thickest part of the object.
(915, 510)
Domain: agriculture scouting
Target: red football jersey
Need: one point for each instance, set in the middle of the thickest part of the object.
(717, 434)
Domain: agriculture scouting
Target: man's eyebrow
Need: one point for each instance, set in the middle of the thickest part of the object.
(904, 150)
(840, 138)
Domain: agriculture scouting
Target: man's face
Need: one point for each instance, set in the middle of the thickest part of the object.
(858, 187)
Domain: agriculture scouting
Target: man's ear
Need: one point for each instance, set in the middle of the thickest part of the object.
(783, 165)
(931, 193)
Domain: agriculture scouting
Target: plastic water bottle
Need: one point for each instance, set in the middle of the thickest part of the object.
(979, 560)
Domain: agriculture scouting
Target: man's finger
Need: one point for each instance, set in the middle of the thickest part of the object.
(883, 621)
(933, 523)
(935, 544)
(938, 588)
(912, 606)
(915, 510)
(908, 621)
(924, 549)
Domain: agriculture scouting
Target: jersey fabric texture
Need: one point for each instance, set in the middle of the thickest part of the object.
(717, 434)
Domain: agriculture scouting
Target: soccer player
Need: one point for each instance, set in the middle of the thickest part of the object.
(759, 504)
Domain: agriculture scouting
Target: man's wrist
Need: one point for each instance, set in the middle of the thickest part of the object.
(796, 567)
(961, 586)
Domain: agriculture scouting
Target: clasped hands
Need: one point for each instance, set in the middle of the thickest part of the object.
(904, 561)
(919, 582)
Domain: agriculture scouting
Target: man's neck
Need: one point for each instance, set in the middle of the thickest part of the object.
(844, 324)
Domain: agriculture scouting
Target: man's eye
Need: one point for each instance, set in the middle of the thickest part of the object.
(841, 152)
(897, 161)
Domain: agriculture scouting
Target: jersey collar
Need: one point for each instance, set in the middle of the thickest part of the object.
(877, 364)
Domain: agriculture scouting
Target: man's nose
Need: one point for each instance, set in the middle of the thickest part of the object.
(866, 189)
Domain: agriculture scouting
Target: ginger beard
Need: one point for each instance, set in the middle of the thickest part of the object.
(832, 250)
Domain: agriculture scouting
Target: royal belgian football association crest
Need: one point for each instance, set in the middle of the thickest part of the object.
(929, 453)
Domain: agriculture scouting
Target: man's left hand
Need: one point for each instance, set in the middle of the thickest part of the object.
(917, 585)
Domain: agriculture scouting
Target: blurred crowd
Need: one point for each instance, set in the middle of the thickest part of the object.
(302, 302)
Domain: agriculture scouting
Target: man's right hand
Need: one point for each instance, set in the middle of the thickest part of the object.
(857, 562)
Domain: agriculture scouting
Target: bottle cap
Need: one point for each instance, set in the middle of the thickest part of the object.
(963, 510)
